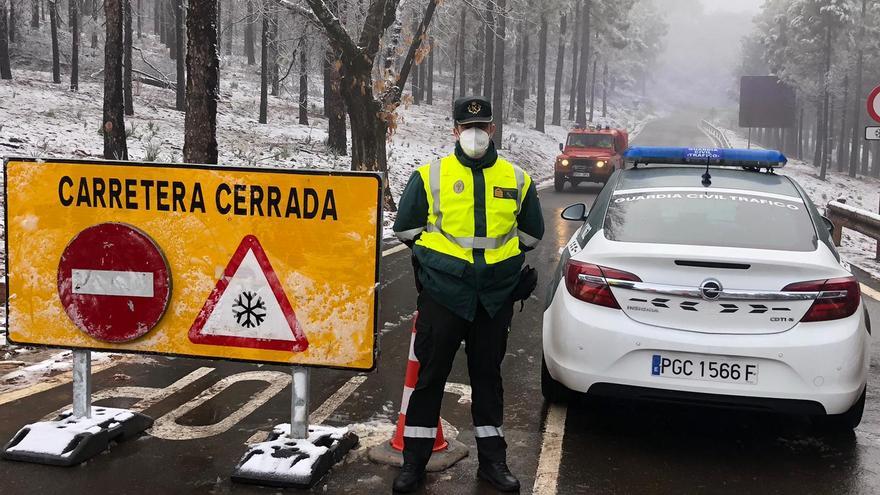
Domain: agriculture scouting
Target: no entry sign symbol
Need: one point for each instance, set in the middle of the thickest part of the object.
(874, 104)
(114, 282)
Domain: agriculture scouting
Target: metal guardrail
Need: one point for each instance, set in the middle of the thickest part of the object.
(862, 221)
(715, 133)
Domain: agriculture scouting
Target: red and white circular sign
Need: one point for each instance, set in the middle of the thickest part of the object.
(114, 282)
(874, 104)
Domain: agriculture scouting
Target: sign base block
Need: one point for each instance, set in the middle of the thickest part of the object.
(282, 461)
(441, 460)
(68, 441)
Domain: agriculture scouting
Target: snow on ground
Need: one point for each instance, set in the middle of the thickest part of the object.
(28, 374)
(862, 192)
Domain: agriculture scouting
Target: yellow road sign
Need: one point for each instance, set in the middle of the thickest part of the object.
(265, 265)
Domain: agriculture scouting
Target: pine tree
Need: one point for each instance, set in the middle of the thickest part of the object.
(202, 82)
(115, 147)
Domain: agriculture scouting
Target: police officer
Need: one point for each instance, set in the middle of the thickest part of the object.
(468, 218)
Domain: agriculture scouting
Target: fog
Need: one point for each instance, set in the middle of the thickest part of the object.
(701, 52)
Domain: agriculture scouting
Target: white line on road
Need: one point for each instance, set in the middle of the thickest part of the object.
(396, 249)
(321, 414)
(868, 291)
(547, 476)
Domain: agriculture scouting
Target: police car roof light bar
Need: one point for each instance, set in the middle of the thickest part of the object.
(729, 157)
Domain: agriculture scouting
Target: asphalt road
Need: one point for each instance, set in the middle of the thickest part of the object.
(606, 446)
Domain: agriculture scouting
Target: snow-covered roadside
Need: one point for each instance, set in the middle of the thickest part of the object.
(864, 192)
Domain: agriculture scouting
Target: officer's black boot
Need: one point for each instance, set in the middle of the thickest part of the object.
(409, 479)
(499, 476)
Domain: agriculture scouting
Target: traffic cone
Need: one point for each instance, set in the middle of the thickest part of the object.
(409, 384)
(444, 453)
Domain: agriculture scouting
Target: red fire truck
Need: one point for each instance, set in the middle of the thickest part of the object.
(590, 154)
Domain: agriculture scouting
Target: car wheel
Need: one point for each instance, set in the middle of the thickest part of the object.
(552, 390)
(558, 183)
(845, 422)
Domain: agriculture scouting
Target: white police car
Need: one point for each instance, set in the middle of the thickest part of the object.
(709, 285)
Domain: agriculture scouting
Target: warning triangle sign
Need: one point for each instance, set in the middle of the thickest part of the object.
(248, 307)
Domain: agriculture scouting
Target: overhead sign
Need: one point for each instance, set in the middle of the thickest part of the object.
(113, 282)
(872, 133)
(266, 265)
(765, 101)
(874, 104)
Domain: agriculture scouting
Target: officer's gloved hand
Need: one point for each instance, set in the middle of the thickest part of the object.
(416, 265)
(528, 280)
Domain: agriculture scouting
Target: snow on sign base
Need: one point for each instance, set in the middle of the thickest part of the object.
(248, 307)
(283, 461)
(257, 264)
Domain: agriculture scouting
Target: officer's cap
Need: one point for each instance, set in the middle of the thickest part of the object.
(472, 109)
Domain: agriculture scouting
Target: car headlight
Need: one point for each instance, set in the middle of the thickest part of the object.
(600, 164)
(564, 163)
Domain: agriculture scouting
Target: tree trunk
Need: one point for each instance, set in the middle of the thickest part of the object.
(498, 76)
(556, 119)
(174, 34)
(202, 82)
(230, 27)
(273, 52)
(799, 151)
(423, 78)
(139, 17)
(12, 31)
(866, 147)
(462, 68)
(414, 85)
(542, 74)
(157, 19)
(35, 14)
(842, 151)
(114, 121)
(5, 70)
(264, 71)
(249, 34)
(429, 83)
(858, 106)
(303, 87)
(126, 57)
(584, 66)
(575, 58)
(875, 171)
(823, 133)
(74, 50)
(180, 36)
(593, 87)
(53, 26)
(605, 89)
(518, 89)
(337, 139)
(488, 50)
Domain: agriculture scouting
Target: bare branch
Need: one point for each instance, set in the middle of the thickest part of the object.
(301, 11)
(335, 32)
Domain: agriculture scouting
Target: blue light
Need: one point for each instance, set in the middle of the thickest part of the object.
(705, 156)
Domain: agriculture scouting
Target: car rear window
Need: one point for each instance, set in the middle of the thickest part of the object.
(717, 217)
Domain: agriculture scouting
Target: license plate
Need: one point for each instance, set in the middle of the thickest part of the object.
(581, 174)
(708, 368)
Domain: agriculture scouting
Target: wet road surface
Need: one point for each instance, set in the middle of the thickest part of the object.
(607, 446)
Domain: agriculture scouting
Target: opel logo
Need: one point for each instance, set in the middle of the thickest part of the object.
(710, 289)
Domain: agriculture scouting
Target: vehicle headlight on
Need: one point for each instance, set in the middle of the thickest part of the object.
(600, 164)
(564, 163)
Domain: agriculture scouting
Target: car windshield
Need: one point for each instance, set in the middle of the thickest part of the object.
(726, 217)
(591, 141)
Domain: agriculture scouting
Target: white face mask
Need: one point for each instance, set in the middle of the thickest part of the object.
(474, 142)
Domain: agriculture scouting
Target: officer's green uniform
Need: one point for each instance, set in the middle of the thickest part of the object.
(468, 222)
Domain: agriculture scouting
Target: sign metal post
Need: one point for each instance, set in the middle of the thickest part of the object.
(82, 384)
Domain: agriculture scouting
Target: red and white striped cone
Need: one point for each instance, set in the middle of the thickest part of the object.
(444, 453)
(409, 384)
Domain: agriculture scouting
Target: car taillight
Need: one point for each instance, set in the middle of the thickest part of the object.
(588, 282)
(838, 298)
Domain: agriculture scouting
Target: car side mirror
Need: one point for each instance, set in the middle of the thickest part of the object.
(561, 147)
(576, 212)
(828, 225)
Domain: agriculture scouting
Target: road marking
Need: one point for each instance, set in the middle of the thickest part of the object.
(396, 249)
(870, 292)
(51, 383)
(330, 405)
(167, 427)
(547, 475)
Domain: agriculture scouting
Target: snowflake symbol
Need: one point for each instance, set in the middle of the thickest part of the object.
(249, 307)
